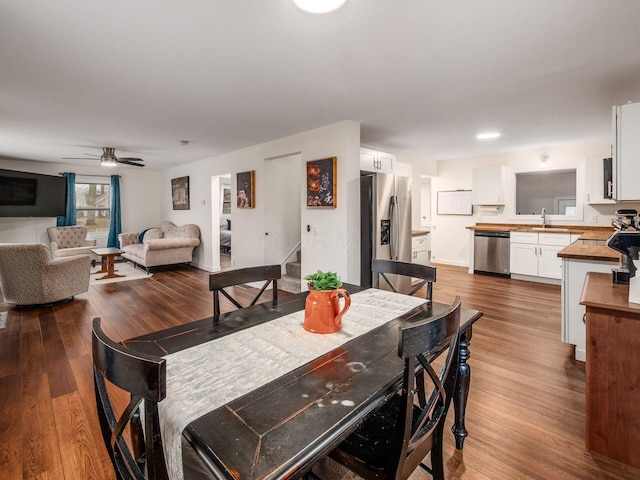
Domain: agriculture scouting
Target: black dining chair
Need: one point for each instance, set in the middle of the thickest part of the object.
(392, 442)
(230, 278)
(426, 274)
(139, 455)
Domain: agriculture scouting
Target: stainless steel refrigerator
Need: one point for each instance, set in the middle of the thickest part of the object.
(385, 224)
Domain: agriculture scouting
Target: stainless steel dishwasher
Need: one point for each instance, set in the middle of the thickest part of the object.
(491, 252)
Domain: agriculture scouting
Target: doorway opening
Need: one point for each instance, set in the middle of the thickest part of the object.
(221, 222)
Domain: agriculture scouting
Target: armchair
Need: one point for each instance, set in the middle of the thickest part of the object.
(69, 241)
(30, 276)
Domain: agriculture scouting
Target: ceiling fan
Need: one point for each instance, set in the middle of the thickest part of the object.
(109, 159)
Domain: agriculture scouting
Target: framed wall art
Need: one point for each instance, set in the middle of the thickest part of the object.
(245, 198)
(321, 183)
(180, 193)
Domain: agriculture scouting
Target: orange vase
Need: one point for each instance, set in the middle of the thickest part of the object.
(322, 312)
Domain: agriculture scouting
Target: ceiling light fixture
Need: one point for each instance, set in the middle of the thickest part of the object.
(108, 160)
(544, 160)
(487, 135)
(319, 6)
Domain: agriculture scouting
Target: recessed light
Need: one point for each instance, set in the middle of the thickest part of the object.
(319, 6)
(487, 135)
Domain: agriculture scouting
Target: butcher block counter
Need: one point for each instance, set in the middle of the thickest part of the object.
(613, 376)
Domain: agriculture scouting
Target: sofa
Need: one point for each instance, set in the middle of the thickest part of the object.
(70, 241)
(165, 245)
(30, 276)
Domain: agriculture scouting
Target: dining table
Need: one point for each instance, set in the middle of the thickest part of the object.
(252, 395)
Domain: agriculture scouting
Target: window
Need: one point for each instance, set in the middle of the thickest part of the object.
(93, 204)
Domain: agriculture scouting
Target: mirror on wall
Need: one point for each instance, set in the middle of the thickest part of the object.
(553, 190)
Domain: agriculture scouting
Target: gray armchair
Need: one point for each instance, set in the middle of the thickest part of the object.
(30, 276)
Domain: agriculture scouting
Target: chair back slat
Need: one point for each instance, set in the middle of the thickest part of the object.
(383, 268)
(270, 274)
(144, 378)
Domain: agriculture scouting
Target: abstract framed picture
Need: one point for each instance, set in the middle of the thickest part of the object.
(322, 183)
(245, 198)
(180, 193)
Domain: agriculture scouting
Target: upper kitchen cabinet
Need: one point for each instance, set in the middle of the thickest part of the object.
(599, 181)
(381, 162)
(626, 151)
(488, 185)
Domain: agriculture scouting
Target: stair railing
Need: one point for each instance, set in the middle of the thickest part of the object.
(290, 254)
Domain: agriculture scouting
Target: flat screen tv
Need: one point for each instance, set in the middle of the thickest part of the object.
(24, 194)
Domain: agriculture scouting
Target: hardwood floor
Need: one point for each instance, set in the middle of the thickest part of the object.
(525, 413)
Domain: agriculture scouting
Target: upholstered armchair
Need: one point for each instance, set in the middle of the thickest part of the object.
(69, 241)
(30, 276)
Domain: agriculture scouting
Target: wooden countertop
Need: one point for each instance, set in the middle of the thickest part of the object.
(600, 292)
(522, 227)
(589, 252)
(419, 233)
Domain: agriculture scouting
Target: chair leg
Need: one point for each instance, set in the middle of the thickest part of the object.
(437, 463)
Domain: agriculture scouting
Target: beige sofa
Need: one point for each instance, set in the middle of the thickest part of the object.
(166, 245)
(30, 276)
(70, 241)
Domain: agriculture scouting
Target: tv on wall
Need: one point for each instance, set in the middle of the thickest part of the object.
(24, 194)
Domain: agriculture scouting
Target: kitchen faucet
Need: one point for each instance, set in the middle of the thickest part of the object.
(544, 217)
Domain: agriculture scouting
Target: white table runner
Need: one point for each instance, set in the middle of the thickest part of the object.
(208, 376)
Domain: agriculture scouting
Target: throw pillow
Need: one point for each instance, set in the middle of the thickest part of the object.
(141, 236)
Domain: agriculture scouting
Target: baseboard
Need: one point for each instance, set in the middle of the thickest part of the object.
(530, 278)
(455, 263)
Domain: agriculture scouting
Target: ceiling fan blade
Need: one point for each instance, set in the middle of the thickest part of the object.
(92, 155)
(129, 159)
(77, 158)
(119, 160)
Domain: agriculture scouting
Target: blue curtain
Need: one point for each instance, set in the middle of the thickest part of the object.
(69, 218)
(115, 219)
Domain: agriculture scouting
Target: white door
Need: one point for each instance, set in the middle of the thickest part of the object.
(282, 210)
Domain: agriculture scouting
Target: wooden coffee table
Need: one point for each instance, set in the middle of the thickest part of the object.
(108, 256)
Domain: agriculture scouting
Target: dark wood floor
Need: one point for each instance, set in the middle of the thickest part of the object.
(525, 414)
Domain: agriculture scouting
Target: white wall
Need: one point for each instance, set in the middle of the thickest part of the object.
(139, 191)
(336, 246)
(451, 241)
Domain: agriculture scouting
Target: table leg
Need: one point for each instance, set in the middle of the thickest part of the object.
(108, 265)
(462, 389)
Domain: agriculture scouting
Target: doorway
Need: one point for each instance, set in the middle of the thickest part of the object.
(283, 199)
(221, 222)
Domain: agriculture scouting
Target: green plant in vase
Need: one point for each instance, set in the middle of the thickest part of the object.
(323, 281)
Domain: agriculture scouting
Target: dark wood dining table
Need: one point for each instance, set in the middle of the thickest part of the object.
(281, 428)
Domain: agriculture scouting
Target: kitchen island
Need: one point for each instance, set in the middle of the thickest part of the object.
(587, 254)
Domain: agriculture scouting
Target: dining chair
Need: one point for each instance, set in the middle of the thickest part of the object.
(230, 278)
(394, 441)
(425, 273)
(136, 452)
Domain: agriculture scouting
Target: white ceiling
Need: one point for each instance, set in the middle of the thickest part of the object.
(421, 76)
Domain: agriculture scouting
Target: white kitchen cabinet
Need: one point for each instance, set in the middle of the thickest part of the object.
(626, 151)
(595, 182)
(419, 249)
(488, 185)
(574, 272)
(373, 161)
(536, 254)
